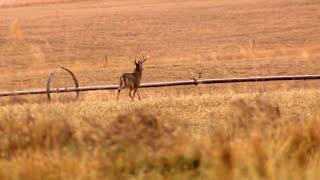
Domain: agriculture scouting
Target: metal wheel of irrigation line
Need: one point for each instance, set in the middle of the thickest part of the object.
(77, 89)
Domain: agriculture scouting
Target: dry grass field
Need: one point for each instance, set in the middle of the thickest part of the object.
(235, 131)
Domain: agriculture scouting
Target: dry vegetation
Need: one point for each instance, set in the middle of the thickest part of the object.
(272, 135)
(239, 131)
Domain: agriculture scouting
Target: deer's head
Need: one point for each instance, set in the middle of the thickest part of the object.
(140, 62)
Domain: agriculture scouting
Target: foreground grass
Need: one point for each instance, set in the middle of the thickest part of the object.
(273, 135)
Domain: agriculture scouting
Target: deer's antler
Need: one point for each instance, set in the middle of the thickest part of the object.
(145, 58)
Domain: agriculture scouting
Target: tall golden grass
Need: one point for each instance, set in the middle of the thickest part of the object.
(234, 136)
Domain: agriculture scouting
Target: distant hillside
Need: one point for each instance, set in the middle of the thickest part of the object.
(6, 3)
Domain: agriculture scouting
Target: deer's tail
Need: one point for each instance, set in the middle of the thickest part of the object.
(121, 83)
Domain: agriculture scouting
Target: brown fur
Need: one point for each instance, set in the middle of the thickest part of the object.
(132, 80)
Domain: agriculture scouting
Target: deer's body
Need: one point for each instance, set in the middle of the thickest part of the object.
(132, 80)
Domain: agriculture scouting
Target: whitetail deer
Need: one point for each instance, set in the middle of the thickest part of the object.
(132, 80)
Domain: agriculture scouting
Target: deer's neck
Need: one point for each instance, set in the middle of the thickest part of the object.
(138, 73)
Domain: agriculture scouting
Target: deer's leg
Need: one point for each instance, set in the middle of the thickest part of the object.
(131, 95)
(138, 94)
(134, 92)
(118, 93)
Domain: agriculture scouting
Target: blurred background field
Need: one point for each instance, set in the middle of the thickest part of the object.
(182, 37)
